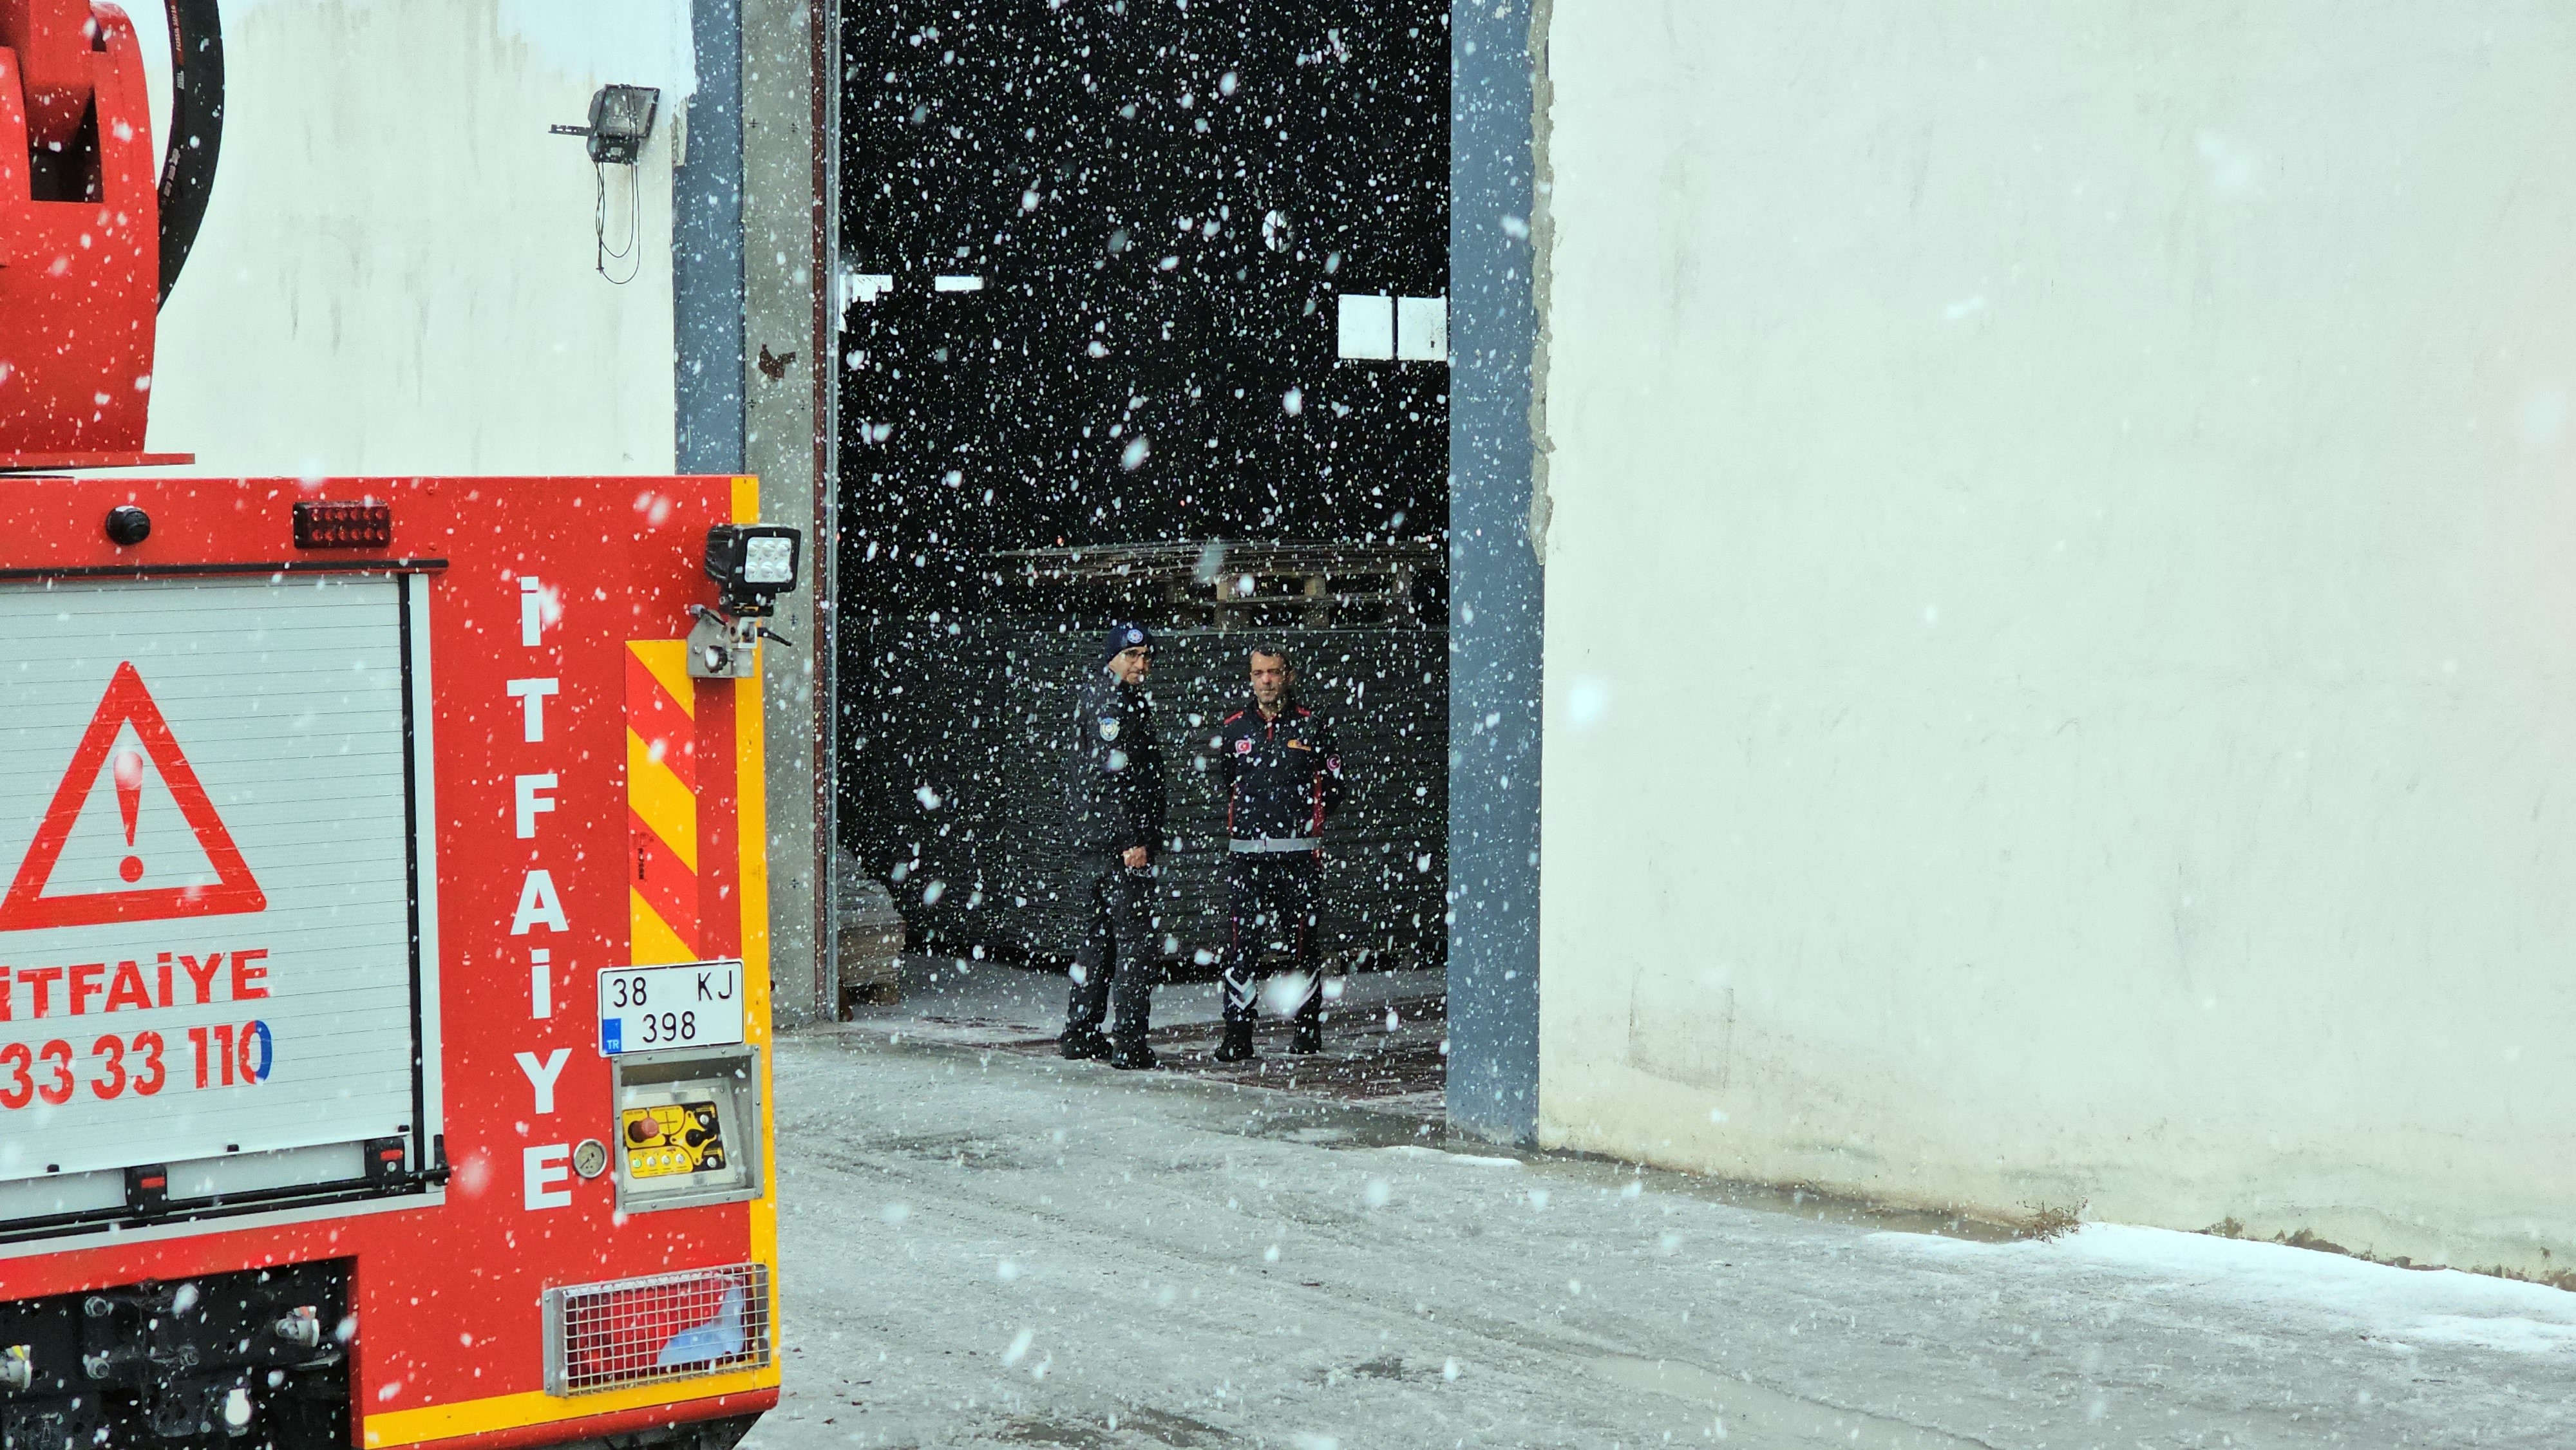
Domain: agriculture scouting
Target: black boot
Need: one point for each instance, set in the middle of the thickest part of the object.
(1129, 1053)
(1237, 1045)
(1309, 1038)
(1080, 1041)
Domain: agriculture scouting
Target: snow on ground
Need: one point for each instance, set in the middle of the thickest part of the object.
(988, 1248)
(2331, 1293)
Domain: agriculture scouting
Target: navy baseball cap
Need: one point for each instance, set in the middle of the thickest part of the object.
(1123, 638)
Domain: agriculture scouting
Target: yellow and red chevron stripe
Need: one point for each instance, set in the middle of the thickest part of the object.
(661, 802)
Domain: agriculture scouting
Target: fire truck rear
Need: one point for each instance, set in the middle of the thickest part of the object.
(384, 992)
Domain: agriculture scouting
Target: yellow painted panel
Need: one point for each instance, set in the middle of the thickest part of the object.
(652, 941)
(668, 659)
(659, 796)
(751, 800)
(502, 1412)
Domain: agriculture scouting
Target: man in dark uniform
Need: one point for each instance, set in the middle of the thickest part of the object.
(1283, 776)
(1114, 817)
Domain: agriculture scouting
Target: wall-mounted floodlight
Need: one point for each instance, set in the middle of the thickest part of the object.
(621, 121)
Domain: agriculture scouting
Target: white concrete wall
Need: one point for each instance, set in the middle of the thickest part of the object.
(396, 274)
(2061, 621)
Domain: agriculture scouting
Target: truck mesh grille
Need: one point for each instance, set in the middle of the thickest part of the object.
(660, 1327)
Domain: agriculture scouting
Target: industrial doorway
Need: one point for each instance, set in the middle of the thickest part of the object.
(1143, 318)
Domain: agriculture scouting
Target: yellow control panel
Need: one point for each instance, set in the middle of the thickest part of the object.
(672, 1138)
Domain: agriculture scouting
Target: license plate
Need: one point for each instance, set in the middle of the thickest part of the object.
(694, 1004)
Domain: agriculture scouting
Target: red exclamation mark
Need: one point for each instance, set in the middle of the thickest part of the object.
(129, 802)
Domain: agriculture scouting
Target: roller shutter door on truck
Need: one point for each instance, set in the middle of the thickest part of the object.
(211, 799)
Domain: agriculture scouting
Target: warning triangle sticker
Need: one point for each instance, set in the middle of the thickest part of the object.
(127, 703)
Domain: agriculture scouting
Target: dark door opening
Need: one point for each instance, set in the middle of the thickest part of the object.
(1144, 319)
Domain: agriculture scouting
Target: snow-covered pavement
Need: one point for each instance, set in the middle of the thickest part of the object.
(988, 1248)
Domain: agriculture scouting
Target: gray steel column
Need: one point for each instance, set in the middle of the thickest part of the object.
(823, 561)
(706, 250)
(786, 51)
(1495, 581)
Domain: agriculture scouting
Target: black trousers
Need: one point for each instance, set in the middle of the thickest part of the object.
(1271, 897)
(1114, 965)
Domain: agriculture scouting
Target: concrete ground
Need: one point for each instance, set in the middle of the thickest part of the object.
(1385, 1045)
(985, 1245)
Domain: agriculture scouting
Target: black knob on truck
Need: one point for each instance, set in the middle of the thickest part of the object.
(128, 526)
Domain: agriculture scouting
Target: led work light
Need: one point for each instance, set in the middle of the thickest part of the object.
(751, 564)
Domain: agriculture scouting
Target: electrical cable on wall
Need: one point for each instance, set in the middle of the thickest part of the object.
(603, 254)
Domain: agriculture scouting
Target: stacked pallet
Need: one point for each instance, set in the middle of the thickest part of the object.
(870, 936)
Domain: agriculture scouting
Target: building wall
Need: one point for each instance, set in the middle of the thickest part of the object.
(2061, 663)
(396, 274)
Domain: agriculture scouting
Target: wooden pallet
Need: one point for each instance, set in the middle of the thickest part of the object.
(1240, 586)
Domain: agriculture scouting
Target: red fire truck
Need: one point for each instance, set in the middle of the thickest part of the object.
(384, 993)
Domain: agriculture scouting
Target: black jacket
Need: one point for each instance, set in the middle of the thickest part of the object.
(1113, 788)
(1283, 776)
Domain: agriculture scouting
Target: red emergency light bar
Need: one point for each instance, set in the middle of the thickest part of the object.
(344, 524)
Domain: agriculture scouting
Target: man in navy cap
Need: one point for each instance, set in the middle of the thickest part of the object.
(1114, 817)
